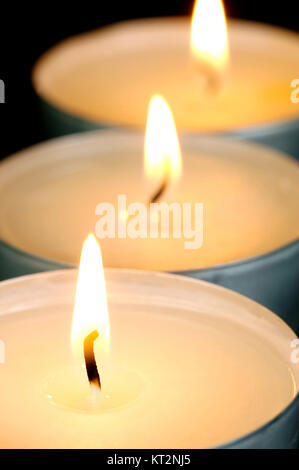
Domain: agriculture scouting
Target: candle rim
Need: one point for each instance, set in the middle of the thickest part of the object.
(253, 308)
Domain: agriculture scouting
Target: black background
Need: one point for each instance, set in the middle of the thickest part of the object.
(26, 30)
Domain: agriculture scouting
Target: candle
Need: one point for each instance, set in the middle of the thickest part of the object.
(238, 84)
(197, 365)
(51, 196)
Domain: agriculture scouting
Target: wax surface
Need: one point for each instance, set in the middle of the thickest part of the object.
(48, 197)
(110, 75)
(213, 365)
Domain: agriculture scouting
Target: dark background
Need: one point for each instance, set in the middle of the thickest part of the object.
(28, 30)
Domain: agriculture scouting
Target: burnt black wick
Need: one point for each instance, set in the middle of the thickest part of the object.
(157, 195)
(90, 362)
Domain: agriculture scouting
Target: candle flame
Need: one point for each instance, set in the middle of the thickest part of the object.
(162, 154)
(209, 39)
(90, 311)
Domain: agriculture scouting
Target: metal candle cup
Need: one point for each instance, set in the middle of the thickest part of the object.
(158, 322)
(260, 82)
(270, 277)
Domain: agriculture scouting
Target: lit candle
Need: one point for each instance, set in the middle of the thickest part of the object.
(209, 46)
(93, 383)
(106, 77)
(51, 196)
(189, 365)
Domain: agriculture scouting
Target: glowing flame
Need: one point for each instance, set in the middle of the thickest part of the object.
(162, 154)
(90, 312)
(209, 40)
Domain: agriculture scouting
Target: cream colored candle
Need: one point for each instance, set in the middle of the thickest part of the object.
(200, 365)
(49, 195)
(109, 75)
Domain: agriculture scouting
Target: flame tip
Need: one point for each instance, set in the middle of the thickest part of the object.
(90, 311)
(209, 38)
(161, 150)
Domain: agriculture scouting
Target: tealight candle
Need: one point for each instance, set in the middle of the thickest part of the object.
(50, 197)
(199, 366)
(240, 84)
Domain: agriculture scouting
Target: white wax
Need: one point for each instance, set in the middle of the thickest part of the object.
(205, 364)
(110, 74)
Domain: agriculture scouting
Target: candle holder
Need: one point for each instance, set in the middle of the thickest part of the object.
(271, 278)
(138, 47)
(170, 331)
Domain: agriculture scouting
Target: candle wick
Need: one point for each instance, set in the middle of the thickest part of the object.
(162, 188)
(157, 195)
(213, 83)
(90, 362)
